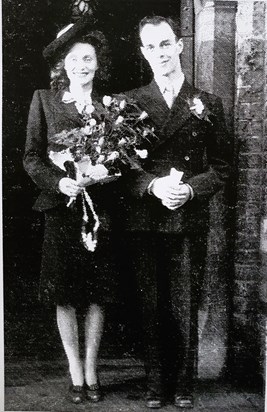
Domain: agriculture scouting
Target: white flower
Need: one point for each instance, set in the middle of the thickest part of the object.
(198, 105)
(100, 159)
(98, 149)
(122, 141)
(143, 115)
(119, 120)
(89, 108)
(87, 130)
(92, 122)
(101, 141)
(113, 155)
(122, 104)
(145, 133)
(141, 153)
(107, 101)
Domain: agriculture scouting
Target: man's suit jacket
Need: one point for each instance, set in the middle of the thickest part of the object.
(199, 148)
(48, 115)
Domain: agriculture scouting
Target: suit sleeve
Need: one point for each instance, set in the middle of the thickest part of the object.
(35, 160)
(135, 182)
(219, 149)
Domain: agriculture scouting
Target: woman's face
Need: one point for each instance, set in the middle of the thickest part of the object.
(81, 64)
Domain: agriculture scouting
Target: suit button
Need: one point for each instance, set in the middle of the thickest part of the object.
(186, 158)
(194, 134)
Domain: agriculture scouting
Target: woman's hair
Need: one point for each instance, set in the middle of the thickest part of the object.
(58, 76)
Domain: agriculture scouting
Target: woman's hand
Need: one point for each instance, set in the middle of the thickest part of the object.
(69, 187)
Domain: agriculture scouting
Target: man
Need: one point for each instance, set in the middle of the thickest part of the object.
(167, 216)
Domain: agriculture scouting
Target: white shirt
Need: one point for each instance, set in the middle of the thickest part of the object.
(170, 88)
(80, 102)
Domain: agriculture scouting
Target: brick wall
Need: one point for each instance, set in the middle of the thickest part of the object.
(250, 68)
(230, 56)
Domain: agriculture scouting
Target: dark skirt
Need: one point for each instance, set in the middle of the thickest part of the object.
(70, 274)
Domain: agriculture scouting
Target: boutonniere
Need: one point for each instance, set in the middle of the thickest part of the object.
(198, 109)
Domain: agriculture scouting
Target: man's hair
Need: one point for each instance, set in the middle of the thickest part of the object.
(156, 20)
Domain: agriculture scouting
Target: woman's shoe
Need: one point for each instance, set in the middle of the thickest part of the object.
(75, 394)
(184, 401)
(93, 392)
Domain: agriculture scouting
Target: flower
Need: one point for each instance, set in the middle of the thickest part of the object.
(119, 120)
(92, 122)
(198, 105)
(107, 101)
(122, 141)
(89, 108)
(113, 155)
(122, 104)
(143, 115)
(141, 153)
(198, 109)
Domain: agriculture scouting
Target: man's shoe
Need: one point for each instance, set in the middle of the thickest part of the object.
(93, 392)
(153, 400)
(75, 394)
(184, 401)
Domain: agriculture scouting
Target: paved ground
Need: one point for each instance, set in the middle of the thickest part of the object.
(33, 385)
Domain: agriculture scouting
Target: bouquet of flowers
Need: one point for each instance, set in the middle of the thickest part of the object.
(115, 136)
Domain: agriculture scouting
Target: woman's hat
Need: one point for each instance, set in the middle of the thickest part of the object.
(66, 37)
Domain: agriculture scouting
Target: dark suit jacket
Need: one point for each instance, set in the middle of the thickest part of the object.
(198, 148)
(49, 115)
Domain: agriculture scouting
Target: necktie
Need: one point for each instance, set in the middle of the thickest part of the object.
(169, 95)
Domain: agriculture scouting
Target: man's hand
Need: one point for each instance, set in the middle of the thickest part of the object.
(69, 187)
(182, 195)
(164, 188)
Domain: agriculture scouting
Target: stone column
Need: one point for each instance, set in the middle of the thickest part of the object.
(214, 72)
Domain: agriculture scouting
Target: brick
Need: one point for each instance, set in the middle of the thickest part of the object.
(246, 272)
(248, 224)
(240, 321)
(259, 11)
(249, 110)
(247, 256)
(249, 134)
(247, 243)
(240, 304)
(248, 94)
(244, 288)
(250, 160)
(250, 76)
(246, 194)
(249, 209)
(250, 177)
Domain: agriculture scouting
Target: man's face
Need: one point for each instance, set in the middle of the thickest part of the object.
(161, 48)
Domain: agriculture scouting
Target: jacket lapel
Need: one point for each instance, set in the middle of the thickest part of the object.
(152, 101)
(168, 121)
(66, 110)
(180, 111)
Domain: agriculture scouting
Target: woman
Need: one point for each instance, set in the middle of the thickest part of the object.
(71, 277)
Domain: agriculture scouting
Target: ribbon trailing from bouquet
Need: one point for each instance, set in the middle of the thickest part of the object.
(89, 237)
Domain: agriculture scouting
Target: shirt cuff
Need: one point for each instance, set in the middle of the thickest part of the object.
(191, 191)
(149, 187)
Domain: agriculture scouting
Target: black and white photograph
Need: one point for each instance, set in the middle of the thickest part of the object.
(134, 205)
